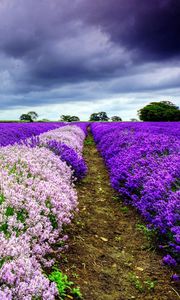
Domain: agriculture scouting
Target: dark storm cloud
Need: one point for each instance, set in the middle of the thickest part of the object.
(64, 50)
(149, 27)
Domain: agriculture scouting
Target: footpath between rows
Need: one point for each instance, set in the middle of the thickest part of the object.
(108, 256)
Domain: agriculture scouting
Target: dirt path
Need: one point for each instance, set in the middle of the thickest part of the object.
(107, 251)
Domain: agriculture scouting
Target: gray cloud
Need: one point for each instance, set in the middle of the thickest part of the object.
(64, 51)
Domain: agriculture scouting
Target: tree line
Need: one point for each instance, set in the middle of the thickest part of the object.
(154, 112)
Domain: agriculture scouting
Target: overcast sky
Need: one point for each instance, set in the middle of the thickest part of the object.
(83, 56)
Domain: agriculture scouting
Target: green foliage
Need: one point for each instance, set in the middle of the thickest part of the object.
(63, 284)
(115, 198)
(99, 117)
(26, 118)
(12, 170)
(124, 209)
(68, 118)
(175, 185)
(44, 120)
(160, 111)
(76, 292)
(4, 228)
(2, 198)
(22, 215)
(140, 285)
(4, 259)
(89, 141)
(136, 282)
(151, 236)
(150, 284)
(116, 119)
(134, 120)
(33, 115)
(149, 233)
(75, 275)
(53, 221)
(29, 117)
(9, 211)
(48, 203)
(118, 238)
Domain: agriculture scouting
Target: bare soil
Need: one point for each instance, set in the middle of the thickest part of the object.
(106, 250)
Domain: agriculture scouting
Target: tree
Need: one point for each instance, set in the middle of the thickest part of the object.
(26, 118)
(116, 119)
(44, 120)
(160, 111)
(68, 118)
(100, 116)
(134, 120)
(33, 115)
(75, 119)
(29, 117)
(65, 118)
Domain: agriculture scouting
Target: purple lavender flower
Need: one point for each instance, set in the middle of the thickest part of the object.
(175, 277)
(168, 260)
(11, 133)
(144, 165)
(68, 155)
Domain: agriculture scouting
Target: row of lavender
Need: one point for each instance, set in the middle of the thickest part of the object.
(37, 197)
(11, 133)
(144, 164)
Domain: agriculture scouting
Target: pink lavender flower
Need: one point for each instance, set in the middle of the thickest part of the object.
(37, 196)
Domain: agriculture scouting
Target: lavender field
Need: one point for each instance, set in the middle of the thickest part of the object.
(41, 168)
(144, 165)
